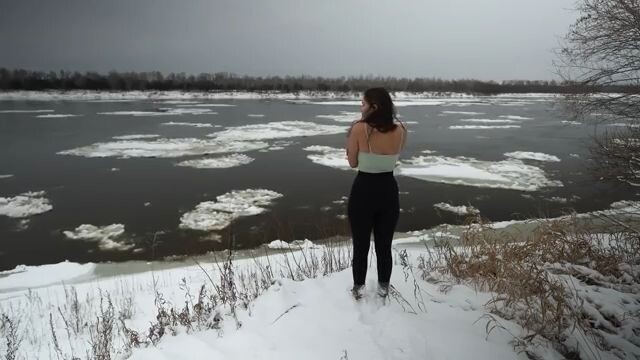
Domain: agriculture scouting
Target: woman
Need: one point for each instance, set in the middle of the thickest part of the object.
(373, 146)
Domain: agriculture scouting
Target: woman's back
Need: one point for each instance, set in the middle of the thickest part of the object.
(380, 151)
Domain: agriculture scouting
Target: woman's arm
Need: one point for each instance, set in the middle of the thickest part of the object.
(352, 144)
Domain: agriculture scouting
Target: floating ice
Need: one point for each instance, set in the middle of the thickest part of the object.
(103, 235)
(178, 102)
(53, 116)
(491, 121)
(219, 162)
(276, 130)
(328, 156)
(505, 174)
(24, 111)
(214, 105)
(163, 112)
(163, 148)
(515, 117)
(135, 136)
(24, 205)
(5, 176)
(92, 232)
(460, 210)
(397, 103)
(216, 215)
(463, 112)
(344, 116)
(483, 127)
(531, 156)
(198, 125)
(255, 115)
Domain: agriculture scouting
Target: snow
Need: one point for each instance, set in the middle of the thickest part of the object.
(296, 244)
(459, 210)
(55, 116)
(276, 130)
(35, 276)
(135, 136)
(163, 148)
(222, 162)
(532, 156)
(198, 125)
(484, 127)
(216, 215)
(103, 235)
(24, 205)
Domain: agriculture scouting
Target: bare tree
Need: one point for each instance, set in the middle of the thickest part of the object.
(601, 60)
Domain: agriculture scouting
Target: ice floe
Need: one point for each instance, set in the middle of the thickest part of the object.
(255, 115)
(532, 156)
(178, 102)
(343, 116)
(276, 130)
(218, 162)
(24, 205)
(103, 235)
(515, 117)
(328, 156)
(162, 112)
(214, 105)
(491, 121)
(135, 136)
(216, 215)
(463, 112)
(198, 125)
(55, 116)
(505, 174)
(163, 148)
(460, 210)
(24, 111)
(484, 127)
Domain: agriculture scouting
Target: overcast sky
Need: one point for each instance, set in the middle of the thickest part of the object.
(482, 39)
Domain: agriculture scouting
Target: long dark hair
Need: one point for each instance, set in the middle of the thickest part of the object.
(382, 118)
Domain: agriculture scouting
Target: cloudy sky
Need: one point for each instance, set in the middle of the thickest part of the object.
(482, 39)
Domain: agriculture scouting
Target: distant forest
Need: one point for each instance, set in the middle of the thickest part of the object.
(20, 79)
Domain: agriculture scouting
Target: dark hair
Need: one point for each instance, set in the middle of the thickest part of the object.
(382, 118)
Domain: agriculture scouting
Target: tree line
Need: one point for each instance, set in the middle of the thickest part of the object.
(21, 79)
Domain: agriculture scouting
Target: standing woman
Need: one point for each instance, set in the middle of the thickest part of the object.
(373, 146)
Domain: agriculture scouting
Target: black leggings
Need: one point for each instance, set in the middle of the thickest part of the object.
(373, 205)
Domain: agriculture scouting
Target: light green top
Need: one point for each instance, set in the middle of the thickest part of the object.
(377, 163)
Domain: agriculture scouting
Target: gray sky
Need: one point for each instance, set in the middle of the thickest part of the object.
(482, 39)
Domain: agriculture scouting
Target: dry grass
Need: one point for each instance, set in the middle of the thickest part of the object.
(541, 281)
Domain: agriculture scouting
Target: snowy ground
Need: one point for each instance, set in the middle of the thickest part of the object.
(311, 319)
